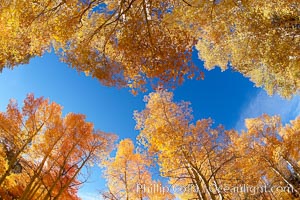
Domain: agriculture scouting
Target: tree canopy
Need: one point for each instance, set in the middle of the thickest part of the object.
(135, 43)
(140, 44)
(219, 162)
(42, 153)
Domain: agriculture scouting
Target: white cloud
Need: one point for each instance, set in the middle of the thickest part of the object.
(271, 105)
(90, 196)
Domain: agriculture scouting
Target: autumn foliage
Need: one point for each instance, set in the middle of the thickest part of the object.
(43, 153)
(211, 158)
(127, 174)
(138, 42)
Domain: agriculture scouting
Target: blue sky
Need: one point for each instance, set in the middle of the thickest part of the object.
(227, 97)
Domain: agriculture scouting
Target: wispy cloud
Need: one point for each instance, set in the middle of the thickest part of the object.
(272, 105)
(90, 196)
